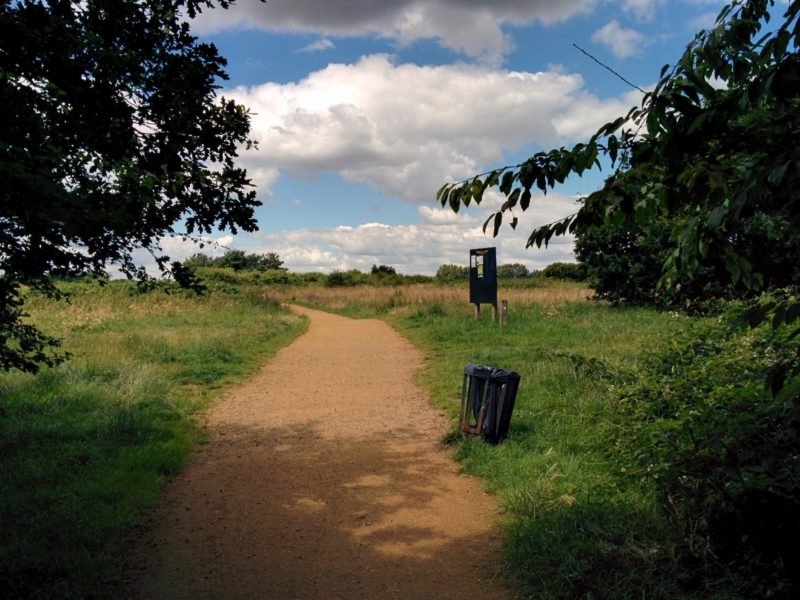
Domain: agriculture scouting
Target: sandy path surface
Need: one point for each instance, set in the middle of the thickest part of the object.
(324, 477)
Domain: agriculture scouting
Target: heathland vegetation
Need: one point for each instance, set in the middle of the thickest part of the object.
(620, 408)
(87, 445)
(655, 449)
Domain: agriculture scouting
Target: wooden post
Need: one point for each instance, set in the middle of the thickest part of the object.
(477, 311)
(503, 313)
(494, 312)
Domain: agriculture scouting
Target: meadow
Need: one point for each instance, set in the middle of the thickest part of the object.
(576, 523)
(86, 447)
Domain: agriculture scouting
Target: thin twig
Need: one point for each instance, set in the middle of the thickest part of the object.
(633, 85)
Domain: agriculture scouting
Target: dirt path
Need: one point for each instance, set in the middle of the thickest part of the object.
(324, 478)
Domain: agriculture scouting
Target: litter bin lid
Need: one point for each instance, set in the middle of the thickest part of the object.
(491, 373)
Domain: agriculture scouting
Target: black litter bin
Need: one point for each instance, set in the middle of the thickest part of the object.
(487, 400)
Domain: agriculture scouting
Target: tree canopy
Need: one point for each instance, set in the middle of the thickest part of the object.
(238, 260)
(712, 146)
(702, 200)
(112, 137)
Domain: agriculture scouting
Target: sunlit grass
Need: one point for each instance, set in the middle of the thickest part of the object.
(381, 300)
(575, 526)
(85, 446)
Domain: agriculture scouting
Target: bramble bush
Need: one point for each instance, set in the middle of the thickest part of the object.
(723, 453)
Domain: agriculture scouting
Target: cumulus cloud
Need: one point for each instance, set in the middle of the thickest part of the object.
(404, 129)
(439, 237)
(318, 46)
(444, 216)
(474, 27)
(643, 10)
(436, 239)
(622, 42)
(263, 178)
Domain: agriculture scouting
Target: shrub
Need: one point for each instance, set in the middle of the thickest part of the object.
(569, 271)
(448, 273)
(723, 453)
(512, 271)
(344, 278)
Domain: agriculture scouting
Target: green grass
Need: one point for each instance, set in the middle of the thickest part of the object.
(84, 447)
(575, 524)
(575, 527)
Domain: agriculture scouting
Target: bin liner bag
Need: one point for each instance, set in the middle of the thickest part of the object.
(483, 375)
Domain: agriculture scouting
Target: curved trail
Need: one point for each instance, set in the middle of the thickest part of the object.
(324, 478)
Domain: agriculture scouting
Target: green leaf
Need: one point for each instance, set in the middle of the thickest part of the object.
(508, 181)
(455, 200)
(792, 312)
(498, 220)
(513, 198)
(525, 200)
(486, 222)
(441, 191)
(698, 121)
(445, 196)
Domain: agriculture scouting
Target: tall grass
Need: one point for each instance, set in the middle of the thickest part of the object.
(366, 301)
(85, 446)
(575, 528)
(575, 525)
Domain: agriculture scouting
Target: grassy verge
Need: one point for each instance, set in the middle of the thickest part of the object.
(576, 525)
(85, 446)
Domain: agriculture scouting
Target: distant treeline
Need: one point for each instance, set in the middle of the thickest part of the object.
(558, 270)
(268, 268)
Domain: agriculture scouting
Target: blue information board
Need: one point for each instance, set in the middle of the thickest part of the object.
(483, 276)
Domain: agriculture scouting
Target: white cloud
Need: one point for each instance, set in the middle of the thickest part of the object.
(643, 10)
(622, 42)
(439, 237)
(318, 46)
(444, 216)
(405, 129)
(706, 20)
(474, 27)
(263, 179)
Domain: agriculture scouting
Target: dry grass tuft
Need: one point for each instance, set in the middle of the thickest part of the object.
(391, 298)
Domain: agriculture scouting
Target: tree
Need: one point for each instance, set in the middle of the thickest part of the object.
(568, 271)
(712, 156)
(451, 272)
(383, 270)
(111, 137)
(198, 259)
(710, 148)
(512, 271)
(270, 260)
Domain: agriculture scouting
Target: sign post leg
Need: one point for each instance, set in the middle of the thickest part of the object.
(477, 311)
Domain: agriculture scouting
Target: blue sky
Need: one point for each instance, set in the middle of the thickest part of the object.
(363, 108)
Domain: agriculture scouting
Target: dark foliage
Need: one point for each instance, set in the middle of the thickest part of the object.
(111, 135)
(383, 270)
(724, 453)
(512, 271)
(448, 273)
(712, 149)
(568, 271)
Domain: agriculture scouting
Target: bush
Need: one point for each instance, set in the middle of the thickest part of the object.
(449, 273)
(344, 278)
(512, 271)
(723, 453)
(568, 271)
